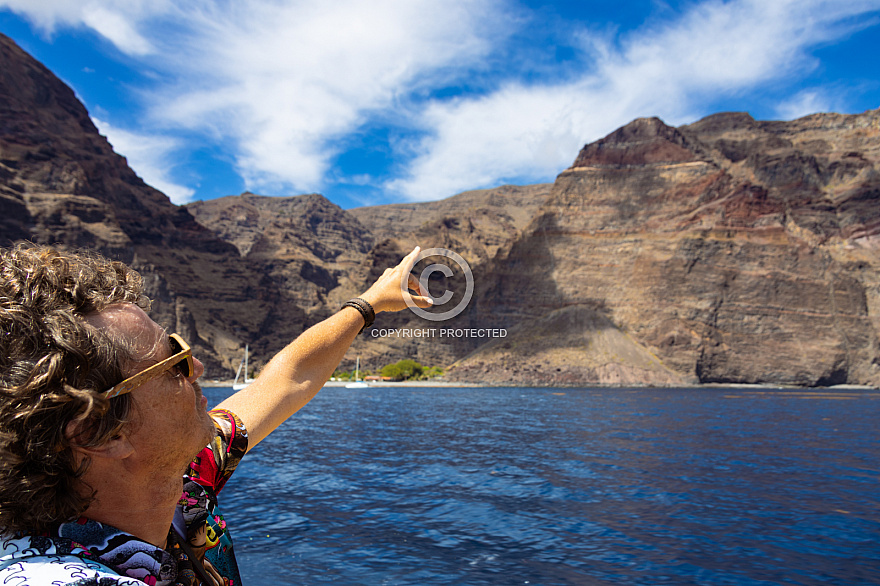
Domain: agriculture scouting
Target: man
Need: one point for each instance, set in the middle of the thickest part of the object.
(101, 414)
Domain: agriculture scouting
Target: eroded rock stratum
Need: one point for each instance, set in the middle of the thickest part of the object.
(726, 251)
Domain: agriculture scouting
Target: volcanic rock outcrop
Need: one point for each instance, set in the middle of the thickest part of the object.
(322, 255)
(308, 246)
(725, 251)
(61, 183)
(735, 251)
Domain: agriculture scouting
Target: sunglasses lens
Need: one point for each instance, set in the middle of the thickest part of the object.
(184, 366)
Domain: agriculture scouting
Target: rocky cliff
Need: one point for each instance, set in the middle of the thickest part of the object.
(306, 245)
(322, 255)
(728, 250)
(61, 182)
(732, 250)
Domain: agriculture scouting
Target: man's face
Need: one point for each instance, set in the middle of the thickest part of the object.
(170, 422)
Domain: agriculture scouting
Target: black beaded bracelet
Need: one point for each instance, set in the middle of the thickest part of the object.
(366, 310)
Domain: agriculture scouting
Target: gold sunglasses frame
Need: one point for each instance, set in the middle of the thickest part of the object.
(156, 370)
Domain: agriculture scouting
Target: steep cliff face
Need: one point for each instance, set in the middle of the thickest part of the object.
(61, 182)
(265, 270)
(478, 222)
(728, 250)
(307, 245)
(732, 250)
(323, 255)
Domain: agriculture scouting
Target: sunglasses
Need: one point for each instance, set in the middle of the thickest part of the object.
(181, 359)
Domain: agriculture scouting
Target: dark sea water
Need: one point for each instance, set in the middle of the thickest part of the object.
(563, 486)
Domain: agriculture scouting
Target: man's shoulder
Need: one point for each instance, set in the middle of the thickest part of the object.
(68, 570)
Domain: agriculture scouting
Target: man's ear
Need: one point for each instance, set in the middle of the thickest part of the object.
(116, 448)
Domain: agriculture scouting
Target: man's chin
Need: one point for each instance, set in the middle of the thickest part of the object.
(209, 438)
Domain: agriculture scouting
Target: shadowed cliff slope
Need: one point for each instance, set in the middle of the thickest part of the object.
(323, 255)
(735, 251)
(61, 183)
(728, 250)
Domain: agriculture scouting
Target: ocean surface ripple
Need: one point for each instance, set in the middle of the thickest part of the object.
(563, 486)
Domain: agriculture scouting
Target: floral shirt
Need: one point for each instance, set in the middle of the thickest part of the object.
(88, 553)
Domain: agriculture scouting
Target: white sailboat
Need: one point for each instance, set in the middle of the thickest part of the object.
(237, 386)
(357, 384)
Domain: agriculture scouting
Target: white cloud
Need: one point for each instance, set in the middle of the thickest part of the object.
(279, 83)
(116, 29)
(286, 85)
(45, 14)
(115, 20)
(151, 156)
(528, 133)
(802, 104)
(285, 82)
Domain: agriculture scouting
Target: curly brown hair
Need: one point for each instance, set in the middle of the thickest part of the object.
(53, 367)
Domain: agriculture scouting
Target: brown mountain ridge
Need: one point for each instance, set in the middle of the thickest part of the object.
(725, 251)
(734, 251)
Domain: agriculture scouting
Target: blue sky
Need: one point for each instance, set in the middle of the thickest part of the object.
(414, 100)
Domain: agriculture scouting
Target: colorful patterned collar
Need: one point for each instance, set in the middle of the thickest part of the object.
(123, 553)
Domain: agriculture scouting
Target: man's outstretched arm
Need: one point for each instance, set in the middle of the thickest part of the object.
(298, 372)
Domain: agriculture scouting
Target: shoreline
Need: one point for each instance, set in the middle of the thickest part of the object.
(339, 383)
(456, 384)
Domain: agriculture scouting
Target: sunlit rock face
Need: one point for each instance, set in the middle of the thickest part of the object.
(734, 251)
(321, 255)
(252, 270)
(728, 250)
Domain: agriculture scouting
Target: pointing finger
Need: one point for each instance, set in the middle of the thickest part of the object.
(409, 260)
